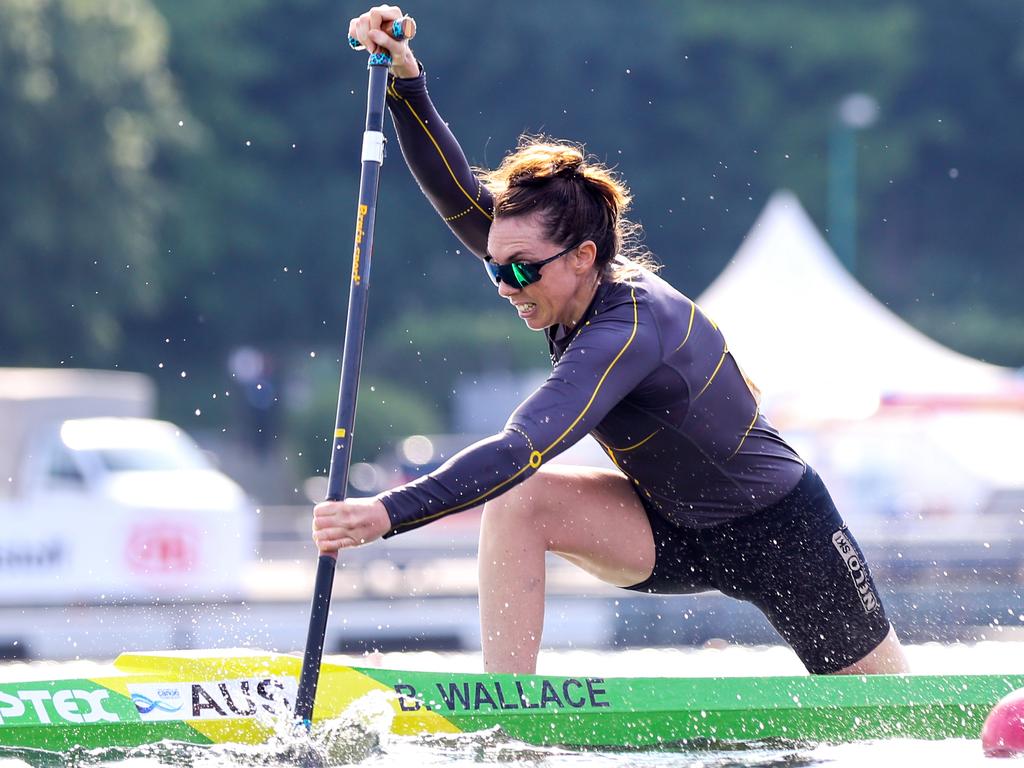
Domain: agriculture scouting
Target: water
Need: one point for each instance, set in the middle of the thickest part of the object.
(361, 737)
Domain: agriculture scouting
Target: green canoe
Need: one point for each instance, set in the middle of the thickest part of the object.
(208, 697)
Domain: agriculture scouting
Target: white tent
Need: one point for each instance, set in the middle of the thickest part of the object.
(815, 341)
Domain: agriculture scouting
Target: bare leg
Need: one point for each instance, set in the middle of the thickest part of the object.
(591, 517)
(887, 658)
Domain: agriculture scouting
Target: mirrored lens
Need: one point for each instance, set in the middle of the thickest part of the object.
(524, 273)
(493, 271)
(516, 275)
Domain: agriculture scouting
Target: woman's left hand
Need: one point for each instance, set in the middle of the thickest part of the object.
(348, 523)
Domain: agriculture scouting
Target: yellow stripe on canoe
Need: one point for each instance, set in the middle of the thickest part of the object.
(338, 688)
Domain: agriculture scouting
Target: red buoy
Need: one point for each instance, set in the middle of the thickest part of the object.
(1003, 732)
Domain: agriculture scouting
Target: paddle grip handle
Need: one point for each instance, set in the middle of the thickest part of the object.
(400, 29)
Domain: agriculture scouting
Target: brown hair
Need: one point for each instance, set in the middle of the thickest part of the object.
(577, 197)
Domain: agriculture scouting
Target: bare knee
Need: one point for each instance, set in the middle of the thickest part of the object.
(590, 517)
(522, 511)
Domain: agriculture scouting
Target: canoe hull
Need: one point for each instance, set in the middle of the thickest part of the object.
(208, 697)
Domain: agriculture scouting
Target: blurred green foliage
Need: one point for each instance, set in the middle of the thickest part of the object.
(87, 106)
(179, 176)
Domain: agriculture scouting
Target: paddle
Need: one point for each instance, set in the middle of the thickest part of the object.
(351, 359)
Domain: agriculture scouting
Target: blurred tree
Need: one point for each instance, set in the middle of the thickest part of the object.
(222, 290)
(946, 245)
(88, 105)
(235, 225)
(430, 351)
(386, 411)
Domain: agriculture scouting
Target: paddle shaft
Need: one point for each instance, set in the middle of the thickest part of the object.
(351, 360)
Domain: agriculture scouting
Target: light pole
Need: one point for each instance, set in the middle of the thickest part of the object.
(855, 112)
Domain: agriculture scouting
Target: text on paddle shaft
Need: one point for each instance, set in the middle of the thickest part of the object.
(360, 216)
(569, 693)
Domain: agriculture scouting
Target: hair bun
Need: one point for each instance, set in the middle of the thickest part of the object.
(592, 207)
(566, 167)
(562, 163)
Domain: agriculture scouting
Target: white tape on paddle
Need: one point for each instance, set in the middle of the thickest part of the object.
(373, 147)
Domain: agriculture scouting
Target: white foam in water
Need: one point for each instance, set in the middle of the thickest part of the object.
(950, 753)
(357, 735)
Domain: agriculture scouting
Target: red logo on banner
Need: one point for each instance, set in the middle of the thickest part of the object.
(162, 548)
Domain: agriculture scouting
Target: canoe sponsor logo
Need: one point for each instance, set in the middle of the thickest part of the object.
(38, 706)
(857, 570)
(479, 695)
(164, 699)
(212, 700)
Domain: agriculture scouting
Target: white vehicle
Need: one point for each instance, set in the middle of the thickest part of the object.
(108, 508)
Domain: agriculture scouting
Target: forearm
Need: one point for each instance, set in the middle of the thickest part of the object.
(605, 362)
(482, 471)
(438, 162)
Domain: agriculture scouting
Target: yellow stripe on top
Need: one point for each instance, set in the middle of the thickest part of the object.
(458, 215)
(757, 412)
(611, 455)
(714, 373)
(604, 376)
(634, 446)
(693, 311)
(437, 146)
(537, 456)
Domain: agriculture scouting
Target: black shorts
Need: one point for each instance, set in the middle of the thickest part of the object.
(795, 560)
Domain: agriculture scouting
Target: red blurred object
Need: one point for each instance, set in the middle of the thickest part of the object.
(1003, 732)
(162, 547)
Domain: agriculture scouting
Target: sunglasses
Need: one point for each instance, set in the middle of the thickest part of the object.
(520, 274)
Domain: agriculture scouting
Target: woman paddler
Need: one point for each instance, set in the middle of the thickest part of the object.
(706, 494)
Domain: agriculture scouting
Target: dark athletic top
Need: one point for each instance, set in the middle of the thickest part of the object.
(645, 372)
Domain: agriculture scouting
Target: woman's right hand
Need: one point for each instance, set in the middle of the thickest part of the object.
(349, 523)
(369, 29)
